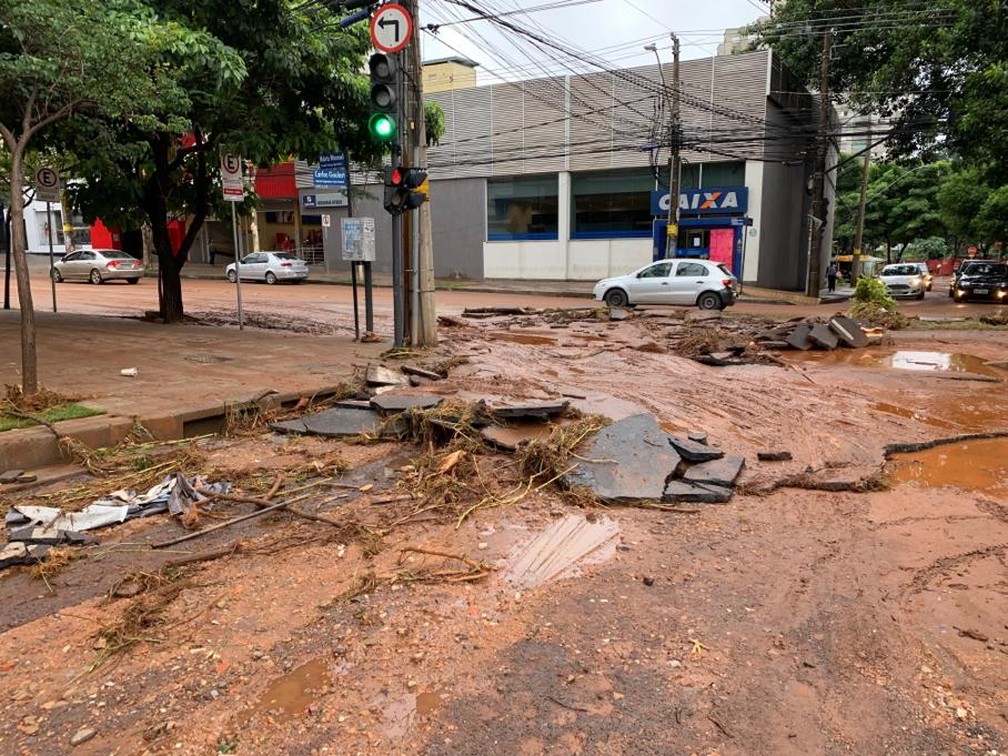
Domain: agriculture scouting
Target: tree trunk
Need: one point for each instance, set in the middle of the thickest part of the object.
(67, 212)
(148, 245)
(19, 245)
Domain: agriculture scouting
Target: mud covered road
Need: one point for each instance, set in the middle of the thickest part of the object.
(787, 621)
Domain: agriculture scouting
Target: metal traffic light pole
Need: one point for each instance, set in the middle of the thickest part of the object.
(398, 311)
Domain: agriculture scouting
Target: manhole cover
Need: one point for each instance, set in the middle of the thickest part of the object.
(208, 358)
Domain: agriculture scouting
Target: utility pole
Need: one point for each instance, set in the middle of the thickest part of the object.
(818, 219)
(675, 160)
(423, 320)
(859, 234)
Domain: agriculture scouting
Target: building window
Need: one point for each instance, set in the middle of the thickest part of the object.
(612, 204)
(522, 208)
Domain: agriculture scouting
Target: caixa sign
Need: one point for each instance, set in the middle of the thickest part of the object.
(722, 200)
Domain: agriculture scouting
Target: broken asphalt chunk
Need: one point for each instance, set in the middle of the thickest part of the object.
(822, 336)
(679, 491)
(618, 313)
(342, 421)
(774, 456)
(799, 337)
(391, 403)
(717, 472)
(17, 552)
(695, 451)
(422, 373)
(849, 332)
(541, 411)
(626, 462)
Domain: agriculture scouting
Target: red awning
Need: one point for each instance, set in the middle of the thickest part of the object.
(276, 182)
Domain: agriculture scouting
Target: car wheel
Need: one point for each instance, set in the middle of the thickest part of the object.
(616, 298)
(271, 277)
(920, 294)
(95, 276)
(709, 301)
(232, 276)
(957, 298)
(132, 280)
(56, 276)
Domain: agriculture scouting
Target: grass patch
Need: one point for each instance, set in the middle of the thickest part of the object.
(66, 411)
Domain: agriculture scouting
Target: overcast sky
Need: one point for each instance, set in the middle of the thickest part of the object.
(611, 30)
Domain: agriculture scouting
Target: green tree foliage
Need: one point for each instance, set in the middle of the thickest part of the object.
(264, 81)
(433, 123)
(937, 67)
(930, 248)
(960, 196)
(992, 220)
(62, 58)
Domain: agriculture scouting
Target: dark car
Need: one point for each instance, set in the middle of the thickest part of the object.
(980, 279)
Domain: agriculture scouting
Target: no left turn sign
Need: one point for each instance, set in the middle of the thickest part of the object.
(391, 28)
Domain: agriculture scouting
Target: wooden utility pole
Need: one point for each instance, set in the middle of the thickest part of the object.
(423, 332)
(818, 220)
(859, 234)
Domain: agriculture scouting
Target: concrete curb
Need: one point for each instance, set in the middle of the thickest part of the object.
(34, 447)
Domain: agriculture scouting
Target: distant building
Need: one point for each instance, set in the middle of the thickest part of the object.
(447, 74)
(858, 130)
(737, 40)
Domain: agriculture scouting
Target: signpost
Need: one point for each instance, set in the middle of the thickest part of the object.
(391, 28)
(359, 250)
(233, 189)
(47, 188)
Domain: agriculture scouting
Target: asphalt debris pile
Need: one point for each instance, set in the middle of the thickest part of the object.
(635, 462)
(33, 530)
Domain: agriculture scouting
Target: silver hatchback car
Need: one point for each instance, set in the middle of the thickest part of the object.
(681, 281)
(98, 266)
(270, 267)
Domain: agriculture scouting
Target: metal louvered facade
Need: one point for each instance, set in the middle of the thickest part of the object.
(542, 140)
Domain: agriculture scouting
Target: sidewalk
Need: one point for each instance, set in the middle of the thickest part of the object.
(188, 375)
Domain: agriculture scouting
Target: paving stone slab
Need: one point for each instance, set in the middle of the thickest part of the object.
(422, 373)
(377, 375)
(823, 336)
(695, 493)
(389, 402)
(694, 451)
(635, 459)
(617, 313)
(717, 472)
(699, 436)
(799, 337)
(849, 332)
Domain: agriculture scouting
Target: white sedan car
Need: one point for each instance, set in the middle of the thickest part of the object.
(903, 280)
(270, 267)
(682, 281)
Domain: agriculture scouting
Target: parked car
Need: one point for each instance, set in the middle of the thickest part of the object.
(926, 276)
(98, 266)
(683, 281)
(981, 279)
(903, 280)
(270, 267)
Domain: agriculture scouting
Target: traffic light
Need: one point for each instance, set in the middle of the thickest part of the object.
(384, 78)
(401, 185)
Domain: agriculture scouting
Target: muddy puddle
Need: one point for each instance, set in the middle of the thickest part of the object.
(916, 361)
(293, 693)
(980, 466)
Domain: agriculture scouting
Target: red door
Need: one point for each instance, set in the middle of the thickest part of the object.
(722, 246)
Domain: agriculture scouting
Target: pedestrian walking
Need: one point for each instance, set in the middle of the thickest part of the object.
(831, 274)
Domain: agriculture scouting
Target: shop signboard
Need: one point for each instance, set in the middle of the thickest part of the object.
(719, 200)
(322, 197)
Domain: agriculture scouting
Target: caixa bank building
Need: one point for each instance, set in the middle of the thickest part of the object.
(566, 177)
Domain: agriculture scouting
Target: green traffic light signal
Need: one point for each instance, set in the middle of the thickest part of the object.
(382, 127)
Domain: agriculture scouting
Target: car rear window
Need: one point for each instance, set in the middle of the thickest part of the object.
(723, 269)
(286, 255)
(114, 254)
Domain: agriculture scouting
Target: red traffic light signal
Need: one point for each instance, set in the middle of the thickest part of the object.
(401, 186)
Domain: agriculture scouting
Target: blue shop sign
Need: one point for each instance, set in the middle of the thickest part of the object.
(711, 200)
